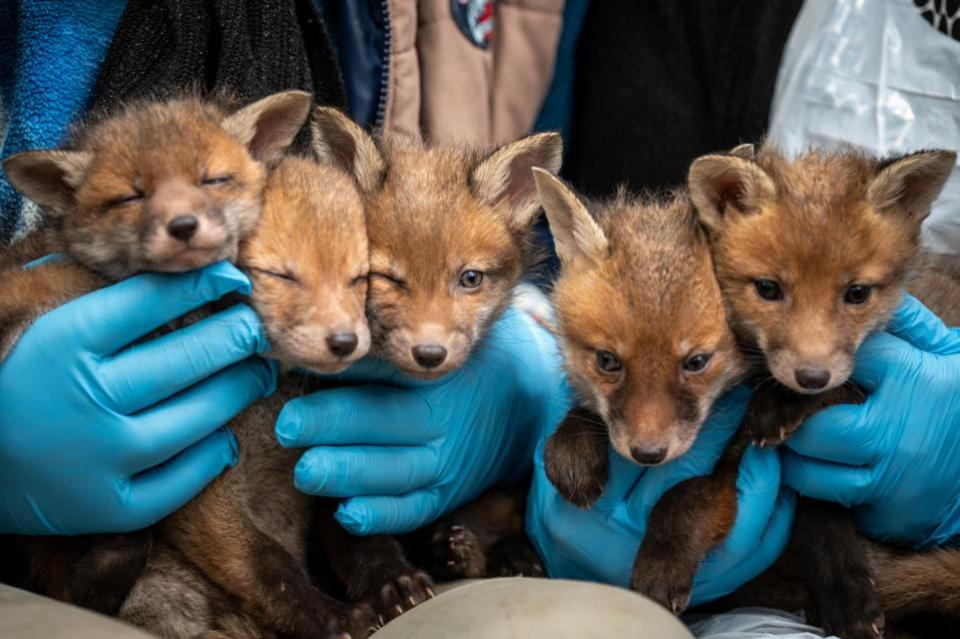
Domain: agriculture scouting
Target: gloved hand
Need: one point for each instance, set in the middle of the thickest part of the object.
(98, 437)
(600, 544)
(402, 453)
(896, 457)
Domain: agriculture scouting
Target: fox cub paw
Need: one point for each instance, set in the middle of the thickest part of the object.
(664, 581)
(457, 553)
(355, 622)
(402, 593)
(514, 557)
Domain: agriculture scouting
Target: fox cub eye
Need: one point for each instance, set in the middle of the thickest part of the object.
(608, 362)
(126, 199)
(471, 279)
(769, 290)
(217, 179)
(857, 294)
(697, 363)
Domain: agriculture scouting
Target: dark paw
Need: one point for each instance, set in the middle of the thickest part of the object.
(355, 622)
(578, 473)
(457, 553)
(663, 582)
(849, 609)
(514, 557)
(771, 428)
(402, 593)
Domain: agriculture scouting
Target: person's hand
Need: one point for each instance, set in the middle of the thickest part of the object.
(896, 458)
(402, 453)
(96, 436)
(600, 544)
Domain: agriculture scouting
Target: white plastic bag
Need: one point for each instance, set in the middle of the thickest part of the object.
(754, 623)
(876, 74)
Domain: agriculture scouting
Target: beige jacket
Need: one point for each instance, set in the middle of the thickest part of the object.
(446, 86)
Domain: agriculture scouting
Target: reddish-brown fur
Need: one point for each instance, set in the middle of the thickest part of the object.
(162, 153)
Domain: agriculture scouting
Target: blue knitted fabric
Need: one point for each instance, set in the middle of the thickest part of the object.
(50, 51)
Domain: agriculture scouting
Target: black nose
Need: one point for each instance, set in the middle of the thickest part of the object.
(342, 344)
(648, 456)
(183, 227)
(429, 355)
(812, 378)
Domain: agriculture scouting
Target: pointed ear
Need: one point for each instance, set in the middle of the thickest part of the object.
(745, 151)
(49, 178)
(575, 233)
(340, 141)
(268, 126)
(505, 176)
(910, 185)
(724, 185)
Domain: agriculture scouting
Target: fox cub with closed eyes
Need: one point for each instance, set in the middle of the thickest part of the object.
(159, 186)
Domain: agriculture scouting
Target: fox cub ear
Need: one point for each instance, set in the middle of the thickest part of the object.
(721, 185)
(911, 184)
(268, 126)
(575, 233)
(745, 151)
(505, 177)
(49, 178)
(341, 142)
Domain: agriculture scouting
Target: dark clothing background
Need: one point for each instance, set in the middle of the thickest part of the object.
(660, 82)
(251, 49)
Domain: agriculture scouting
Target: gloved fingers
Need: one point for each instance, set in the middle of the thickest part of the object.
(374, 415)
(383, 515)
(845, 485)
(365, 470)
(718, 577)
(621, 482)
(157, 492)
(152, 371)
(758, 488)
(113, 317)
(874, 359)
(843, 434)
(168, 428)
(918, 325)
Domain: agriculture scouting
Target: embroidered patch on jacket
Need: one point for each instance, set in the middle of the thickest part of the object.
(474, 18)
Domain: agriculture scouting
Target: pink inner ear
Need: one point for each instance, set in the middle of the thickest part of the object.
(729, 189)
(520, 184)
(273, 128)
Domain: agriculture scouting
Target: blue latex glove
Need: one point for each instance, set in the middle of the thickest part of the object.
(896, 457)
(96, 437)
(402, 453)
(600, 544)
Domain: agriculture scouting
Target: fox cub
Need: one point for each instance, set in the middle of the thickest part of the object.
(167, 186)
(813, 254)
(450, 238)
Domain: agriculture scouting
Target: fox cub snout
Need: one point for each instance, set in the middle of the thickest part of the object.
(448, 236)
(642, 322)
(812, 253)
(160, 186)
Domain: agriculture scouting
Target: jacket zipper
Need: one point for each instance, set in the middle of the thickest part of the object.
(384, 64)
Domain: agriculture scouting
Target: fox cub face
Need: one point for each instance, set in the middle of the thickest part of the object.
(812, 253)
(164, 186)
(308, 259)
(642, 321)
(448, 237)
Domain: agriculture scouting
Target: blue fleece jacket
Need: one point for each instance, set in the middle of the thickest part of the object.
(50, 51)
